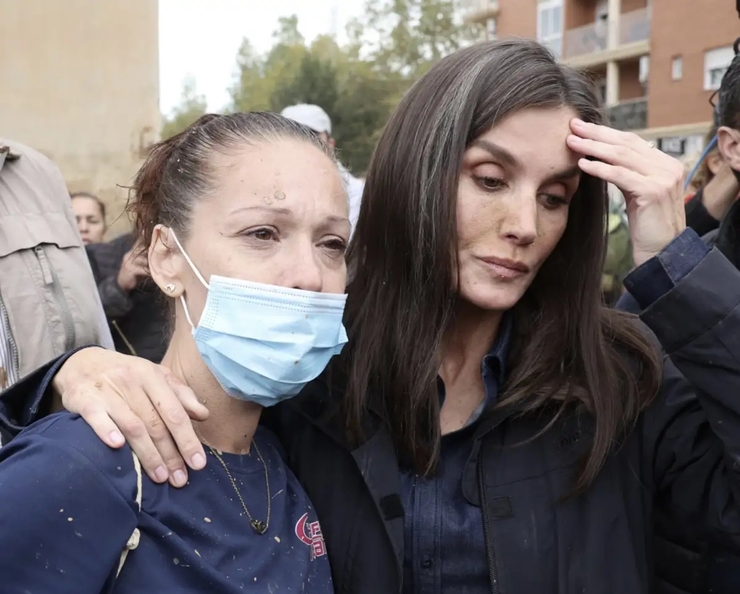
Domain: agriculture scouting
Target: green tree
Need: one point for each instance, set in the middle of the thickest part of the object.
(192, 105)
(249, 91)
(409, 36)
(315, 82)
(358, 84)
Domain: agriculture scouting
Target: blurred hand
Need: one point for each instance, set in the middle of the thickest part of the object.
(651, 181)
(720, 192)
(132, 399)
(133, 268)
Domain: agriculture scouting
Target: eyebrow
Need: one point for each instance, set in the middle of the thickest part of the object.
(507, 158)
(286, 212)
(497, 151)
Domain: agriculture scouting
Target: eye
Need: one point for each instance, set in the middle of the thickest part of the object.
(263, 234)
(336, 245)
(553, 202)
(490, 183)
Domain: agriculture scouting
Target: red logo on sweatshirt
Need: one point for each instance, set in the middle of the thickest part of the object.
(310, 533)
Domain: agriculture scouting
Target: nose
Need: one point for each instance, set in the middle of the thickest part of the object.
(306, 272)
(520, 221)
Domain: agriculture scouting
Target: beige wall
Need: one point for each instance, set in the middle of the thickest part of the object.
(79, 81)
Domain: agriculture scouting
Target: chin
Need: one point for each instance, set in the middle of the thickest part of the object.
(494, 295)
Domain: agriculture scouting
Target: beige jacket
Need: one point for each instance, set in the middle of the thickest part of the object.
(48, 299)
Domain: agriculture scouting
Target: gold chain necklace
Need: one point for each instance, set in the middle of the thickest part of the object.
(259, 526)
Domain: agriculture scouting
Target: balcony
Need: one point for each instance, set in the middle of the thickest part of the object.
(588, 46)
(628, 115)
(480, 11)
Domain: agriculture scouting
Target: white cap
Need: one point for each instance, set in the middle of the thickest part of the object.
(311, 116)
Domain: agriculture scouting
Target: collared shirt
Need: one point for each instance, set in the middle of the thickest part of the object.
(444, 542)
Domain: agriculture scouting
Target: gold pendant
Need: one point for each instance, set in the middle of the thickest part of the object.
(259, 526)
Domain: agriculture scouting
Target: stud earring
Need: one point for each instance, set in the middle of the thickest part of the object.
(170, 288)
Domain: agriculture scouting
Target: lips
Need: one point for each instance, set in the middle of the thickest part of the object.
(506, 268)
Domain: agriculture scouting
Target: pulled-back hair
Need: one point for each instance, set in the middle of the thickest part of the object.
(93, 197)
(569, 349)
(179, 171)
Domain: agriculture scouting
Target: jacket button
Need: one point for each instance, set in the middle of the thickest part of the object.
(426, 562)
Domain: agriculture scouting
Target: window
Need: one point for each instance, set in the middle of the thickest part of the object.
(677, 68)
(716, 62)
(550, 25)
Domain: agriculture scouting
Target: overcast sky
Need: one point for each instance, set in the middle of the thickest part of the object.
(200, 38)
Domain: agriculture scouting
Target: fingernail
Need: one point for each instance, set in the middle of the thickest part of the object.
(116, 438)
(578, 122)
(161, 474)
(180, 478)
(198, 461)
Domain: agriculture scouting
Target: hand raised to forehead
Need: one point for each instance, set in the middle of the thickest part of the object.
(651, 181)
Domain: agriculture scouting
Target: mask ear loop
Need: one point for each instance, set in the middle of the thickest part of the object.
(197, 274)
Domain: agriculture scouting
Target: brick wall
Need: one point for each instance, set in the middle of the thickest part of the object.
(685, 28)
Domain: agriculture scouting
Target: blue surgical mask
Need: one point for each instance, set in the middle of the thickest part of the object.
(264, 343)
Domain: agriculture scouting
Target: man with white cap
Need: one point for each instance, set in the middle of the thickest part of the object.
(312, 116)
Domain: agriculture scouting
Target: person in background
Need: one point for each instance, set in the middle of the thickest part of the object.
(315, 118)
(73, 508)
(133, 306)
(687, 561)
(48, 301)
(90, 214)
(717, 190)
(618, 262)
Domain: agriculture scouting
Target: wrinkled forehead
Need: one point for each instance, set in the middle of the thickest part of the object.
(284, 174)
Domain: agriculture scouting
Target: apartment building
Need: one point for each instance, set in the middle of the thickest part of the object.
(656, 63)
(79, 81)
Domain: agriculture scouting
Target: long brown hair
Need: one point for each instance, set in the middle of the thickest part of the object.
(568, 350)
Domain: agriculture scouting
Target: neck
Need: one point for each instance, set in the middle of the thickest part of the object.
(468, 341)
(231, 424)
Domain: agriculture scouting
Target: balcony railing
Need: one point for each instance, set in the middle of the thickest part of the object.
(628, 115)
(585, 40)
(634, 26)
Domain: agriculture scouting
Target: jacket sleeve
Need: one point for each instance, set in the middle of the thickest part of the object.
(116, 302)
(108, 257)
(29, 399)
(64, 523)
(692, 434)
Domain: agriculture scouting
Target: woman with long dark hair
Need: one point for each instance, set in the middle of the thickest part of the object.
(490, 427)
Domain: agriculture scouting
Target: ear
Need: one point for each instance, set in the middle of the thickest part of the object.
(166, 262)
(728, 140)
(714, 161)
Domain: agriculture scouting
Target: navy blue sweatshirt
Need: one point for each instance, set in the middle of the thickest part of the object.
(69, 506)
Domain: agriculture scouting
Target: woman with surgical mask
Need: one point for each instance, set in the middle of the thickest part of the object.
(490, 426)
(256, 314)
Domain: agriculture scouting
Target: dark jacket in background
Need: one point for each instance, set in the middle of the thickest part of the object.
(698, 217)
(138, 319)
(685, 561)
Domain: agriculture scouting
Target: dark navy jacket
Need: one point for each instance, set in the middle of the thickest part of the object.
(682, 456)
(685, 562)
